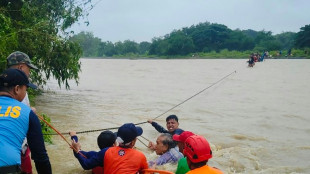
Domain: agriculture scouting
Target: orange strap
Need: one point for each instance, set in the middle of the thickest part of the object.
(41, 118)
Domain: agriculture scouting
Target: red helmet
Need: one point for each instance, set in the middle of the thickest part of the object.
(197, 149)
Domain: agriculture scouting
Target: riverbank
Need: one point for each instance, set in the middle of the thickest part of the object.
(195, 57)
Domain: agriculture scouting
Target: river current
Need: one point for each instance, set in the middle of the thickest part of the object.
(256, 120)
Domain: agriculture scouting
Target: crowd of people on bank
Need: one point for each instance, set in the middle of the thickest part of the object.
(20, 132)
(257, 57)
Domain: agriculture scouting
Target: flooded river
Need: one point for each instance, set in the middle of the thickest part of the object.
(256, 120)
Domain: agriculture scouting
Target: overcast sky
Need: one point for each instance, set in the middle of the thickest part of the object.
(142, 20)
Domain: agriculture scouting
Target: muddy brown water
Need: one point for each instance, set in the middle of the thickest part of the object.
(256, 120)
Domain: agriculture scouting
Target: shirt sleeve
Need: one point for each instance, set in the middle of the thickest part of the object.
(37, 146)
(163, 159)
(159, 128)
(178, 131)
(96, 159)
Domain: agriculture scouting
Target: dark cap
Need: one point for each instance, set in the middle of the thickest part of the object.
(183, 136)
(129, 132)
(12, 77)
(19, 57)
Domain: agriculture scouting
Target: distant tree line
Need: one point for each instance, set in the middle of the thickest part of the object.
(202, 38)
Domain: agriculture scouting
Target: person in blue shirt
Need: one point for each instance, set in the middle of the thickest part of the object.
(105, 139)
(172, 124)
(18, 121)
(165, 148)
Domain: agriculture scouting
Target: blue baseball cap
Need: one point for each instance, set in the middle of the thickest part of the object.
(128, 132)
(12, 77)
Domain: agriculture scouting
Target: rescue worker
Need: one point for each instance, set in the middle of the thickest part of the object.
(18, 121)
(182, 164)
(21, 61)
(197, 151)
(120, 159)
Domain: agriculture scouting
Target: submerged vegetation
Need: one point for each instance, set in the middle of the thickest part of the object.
(204, 40)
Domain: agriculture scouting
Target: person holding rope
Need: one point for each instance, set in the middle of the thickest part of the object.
(18, 121)
(172, 123)
(105, 139)
(165, 147)
(21, 61)
(119, 159)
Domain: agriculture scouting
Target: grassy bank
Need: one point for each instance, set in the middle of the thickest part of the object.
(223, 54)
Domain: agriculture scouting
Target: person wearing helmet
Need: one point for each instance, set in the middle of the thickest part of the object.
(182, 164)
(197, 151)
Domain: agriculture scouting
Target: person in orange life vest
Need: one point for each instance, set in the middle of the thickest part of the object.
(104, 140)
(172, 124)
(21, 61)
(182, 164)
(197, 151)
(122, 159)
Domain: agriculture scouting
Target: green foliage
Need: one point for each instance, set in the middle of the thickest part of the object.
(46, 129)
(144, 47)
(202, 40)
(303, 37)
(180, 44)
(286, 39)
(89, 44)
(8, 39)
(305, 52)
(38, 28)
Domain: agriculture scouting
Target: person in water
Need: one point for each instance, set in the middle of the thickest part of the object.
(119, 159)
(182, 164)
(172, 124)
(105, 139)
(251, 60)
(197, 151)
(165, 147)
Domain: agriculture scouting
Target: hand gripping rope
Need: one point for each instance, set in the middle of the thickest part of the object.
(189, 98)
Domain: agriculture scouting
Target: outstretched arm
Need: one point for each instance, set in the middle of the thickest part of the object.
(36, 144)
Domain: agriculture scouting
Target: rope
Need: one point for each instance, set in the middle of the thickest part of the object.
(163, 112)
(76, 150)
(189, 98)
(145, 138)
(142, 142)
